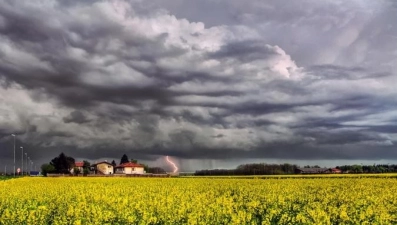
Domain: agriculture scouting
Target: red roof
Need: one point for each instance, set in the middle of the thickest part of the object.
(129, 164)
(79, 164)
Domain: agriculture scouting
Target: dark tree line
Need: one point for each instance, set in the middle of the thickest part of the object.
(381, 168)
(155, 170)
(252, 169)
(279, 169)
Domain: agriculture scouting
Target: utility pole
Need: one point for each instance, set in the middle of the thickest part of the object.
(30, 166)
(22, 161)
(26, 156)
(27, 164)
(14, 153)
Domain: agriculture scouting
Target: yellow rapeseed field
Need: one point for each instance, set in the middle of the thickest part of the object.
(198, 201)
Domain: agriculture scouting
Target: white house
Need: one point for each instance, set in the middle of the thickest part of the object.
(130, 168)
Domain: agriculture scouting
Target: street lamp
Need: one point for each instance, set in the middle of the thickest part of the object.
(27, 163)
(26, 156)
(22, 160)
(14, 153)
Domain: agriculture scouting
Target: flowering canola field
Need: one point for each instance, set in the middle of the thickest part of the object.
(198, 201)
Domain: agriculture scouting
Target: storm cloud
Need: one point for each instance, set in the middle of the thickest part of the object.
(205, 80)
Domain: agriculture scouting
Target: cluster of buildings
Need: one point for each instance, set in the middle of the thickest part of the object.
(106, 168)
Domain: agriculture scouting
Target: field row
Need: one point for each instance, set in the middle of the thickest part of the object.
(198, 201)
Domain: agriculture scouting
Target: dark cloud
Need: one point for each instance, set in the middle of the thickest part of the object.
(392, 128)
(76, 117)
(243, 80)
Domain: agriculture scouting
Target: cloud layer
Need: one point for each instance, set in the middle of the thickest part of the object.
(260, 80)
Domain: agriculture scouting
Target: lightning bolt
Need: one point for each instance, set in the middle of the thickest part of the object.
(172, 163)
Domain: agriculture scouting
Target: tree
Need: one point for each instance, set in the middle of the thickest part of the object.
(156, 170)
(47, 168)
(145, 167)
(62, 163)
(124, 159)
(85, 171)
(114, 166)
(76, 171)
(357, 168)
(114, 163)
(134, 161)
(86, 164)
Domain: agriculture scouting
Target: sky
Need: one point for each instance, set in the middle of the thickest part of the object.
(210, 83)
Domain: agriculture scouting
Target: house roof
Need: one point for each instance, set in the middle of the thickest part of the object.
(105, 162)
(129, 164)
(79, 164)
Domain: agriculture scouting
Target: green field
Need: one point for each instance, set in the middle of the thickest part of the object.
(7, 177)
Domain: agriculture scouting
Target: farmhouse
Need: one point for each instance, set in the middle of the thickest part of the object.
(79, 165)
(335, 170)
(102, 168)
(130, 168)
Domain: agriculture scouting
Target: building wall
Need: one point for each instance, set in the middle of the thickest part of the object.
(133, 170)
(119, 170)
(127, 170)
(139, 170)
(105, 168)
